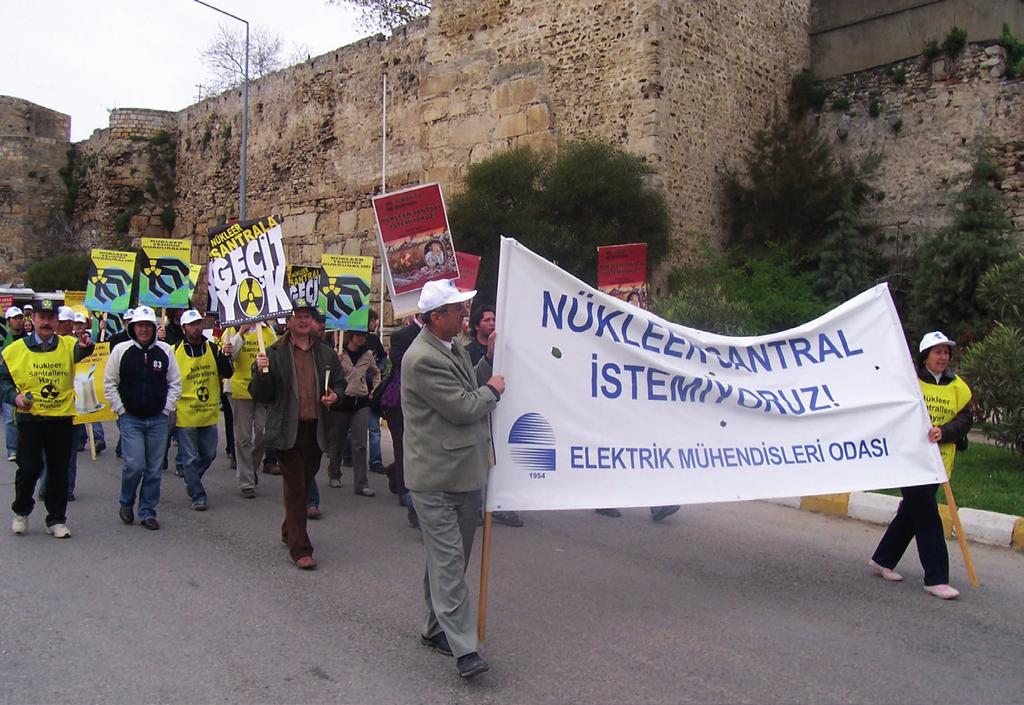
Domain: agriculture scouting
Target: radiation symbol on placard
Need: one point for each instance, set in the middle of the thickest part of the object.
(48, 392)
(344, 295)
(165, 275)
(110, 284)
(250, 297)
(203, 394)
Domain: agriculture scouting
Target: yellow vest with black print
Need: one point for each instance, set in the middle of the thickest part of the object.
(247, 356)
(49, 376)
(199, 404)
(944, 401)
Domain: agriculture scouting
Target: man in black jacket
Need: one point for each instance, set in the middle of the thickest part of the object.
(143, 385)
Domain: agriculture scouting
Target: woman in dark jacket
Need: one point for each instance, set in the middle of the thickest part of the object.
(948, 400)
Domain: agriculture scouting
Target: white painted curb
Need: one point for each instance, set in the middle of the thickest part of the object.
(988, 527)
(876, 508)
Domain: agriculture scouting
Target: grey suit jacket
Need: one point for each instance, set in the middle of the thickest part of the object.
(446, 405)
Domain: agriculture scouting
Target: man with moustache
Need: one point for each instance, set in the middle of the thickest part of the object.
(37, 375)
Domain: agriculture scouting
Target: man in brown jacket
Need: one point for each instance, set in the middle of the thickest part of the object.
(446, 403)
(291, 377)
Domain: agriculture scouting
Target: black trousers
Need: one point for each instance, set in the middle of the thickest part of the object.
(38, 439)
(917, 518)
(229, 423)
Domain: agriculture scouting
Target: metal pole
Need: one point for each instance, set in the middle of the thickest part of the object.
(383, 179)
(243, 172)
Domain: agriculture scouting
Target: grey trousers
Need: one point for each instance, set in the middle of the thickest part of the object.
(338, 425)
(448, 523)
(250, 421)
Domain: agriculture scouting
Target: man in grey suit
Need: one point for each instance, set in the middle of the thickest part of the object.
(446, 403)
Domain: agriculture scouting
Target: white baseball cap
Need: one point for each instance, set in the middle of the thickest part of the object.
(80, 317)
(441, 293)
(128, 315)
(65, 313)
(936, 337)
(13, 311)
(144, 314)
(191, 316)
(28, 307)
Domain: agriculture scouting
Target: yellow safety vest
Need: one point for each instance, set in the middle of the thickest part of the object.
(944, 402)
(243, 363)
(49, 376)
(199, 404)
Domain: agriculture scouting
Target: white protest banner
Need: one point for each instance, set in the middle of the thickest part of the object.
(608, 405)
(247, 272)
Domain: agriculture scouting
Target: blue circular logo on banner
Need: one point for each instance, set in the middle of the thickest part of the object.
(532, 442)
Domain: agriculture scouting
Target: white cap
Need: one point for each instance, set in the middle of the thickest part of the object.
(28, 307)
(144, 314)
(13, 311)
(191, 316)
(936, 337)
(441, 293)
(80, 317)
(65, 313)
(128, 315)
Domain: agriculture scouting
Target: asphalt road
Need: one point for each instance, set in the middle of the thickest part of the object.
(721, 603)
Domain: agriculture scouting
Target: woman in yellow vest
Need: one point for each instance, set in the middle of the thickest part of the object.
(947, 398)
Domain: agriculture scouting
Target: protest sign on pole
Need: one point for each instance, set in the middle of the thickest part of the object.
(415, 242)
(304, 282)
(165, 273)
(247, 271)
(75, 300)
(344, 292)
(469, 268)
(194, 272)
(109, 287)
(613, 406)
(622, 272)
(90, 400)
(103, 325)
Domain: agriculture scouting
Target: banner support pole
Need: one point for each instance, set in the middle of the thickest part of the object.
(92, 440)
(260, 344)
(485, 567)
(961, 538)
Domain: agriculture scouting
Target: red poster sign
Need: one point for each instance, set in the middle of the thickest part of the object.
(417, 242)
(622, 272)
(6, 301)
(469, 267)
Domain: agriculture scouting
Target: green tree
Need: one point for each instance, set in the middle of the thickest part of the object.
(561, 207)
(950, 263)
(995, 370)
(65, 272)
(386, 15)
(1001, 291)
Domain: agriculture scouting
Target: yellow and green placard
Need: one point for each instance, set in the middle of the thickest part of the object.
(109, 287)
(344, 296)
(165, 274)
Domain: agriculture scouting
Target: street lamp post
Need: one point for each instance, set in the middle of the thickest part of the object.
(244, 170)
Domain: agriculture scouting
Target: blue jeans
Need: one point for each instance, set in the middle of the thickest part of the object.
(98, 434)
(143, 442)
(197, 447)
(10, 430)
(374, 425)
(313, 500)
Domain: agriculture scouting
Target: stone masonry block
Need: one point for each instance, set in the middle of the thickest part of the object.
(435, 109)
(353, 246)
(511, 126)
(347, 221)
(471, 130)
(365, 220)
(538, 118)
(435, 85)
(300, 226)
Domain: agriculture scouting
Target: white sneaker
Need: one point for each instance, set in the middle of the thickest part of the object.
(59, 531)
(19, 525)
(891, 575)
(11, 457)
(943, 592)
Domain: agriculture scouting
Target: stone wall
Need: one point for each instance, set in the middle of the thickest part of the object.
(33, 149)
(852, 36)
(926, 130)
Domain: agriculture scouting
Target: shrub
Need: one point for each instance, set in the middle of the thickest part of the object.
(994, 368)
(1014, 49)
(1001, 291)
(875, 108)
(806, 92)
(561, 206)
(841, 103)
(954, 42)
(899, 76)
(60, 272)
(952, 261)
(168, 216)
(931, 50)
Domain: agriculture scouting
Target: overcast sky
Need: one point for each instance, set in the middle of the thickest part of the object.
(83, 57)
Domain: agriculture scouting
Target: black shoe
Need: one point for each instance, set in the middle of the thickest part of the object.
(150, 523)
(100, 447)
(507, 518)
(126, 514)
(377, 468)
(613, 513)
(414, 520)
(71, 496)
(664, 512)
(439, 641)
(471, 665)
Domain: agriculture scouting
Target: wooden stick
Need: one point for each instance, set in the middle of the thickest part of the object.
(261, 344)
(327, 380)
(485, 567)
(92, 440)
(961, 538)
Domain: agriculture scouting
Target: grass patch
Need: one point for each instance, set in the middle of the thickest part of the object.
(986, 477)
